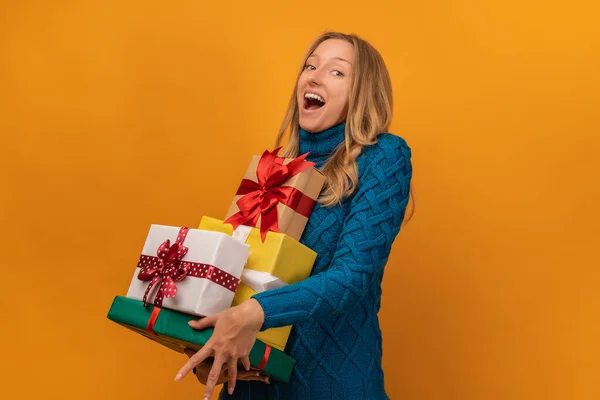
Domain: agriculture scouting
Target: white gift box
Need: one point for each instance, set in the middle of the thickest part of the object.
(214, 263)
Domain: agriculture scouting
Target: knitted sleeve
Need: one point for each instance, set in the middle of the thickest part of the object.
(376, 214)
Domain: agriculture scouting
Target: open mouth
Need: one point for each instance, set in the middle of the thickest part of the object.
(313, 101)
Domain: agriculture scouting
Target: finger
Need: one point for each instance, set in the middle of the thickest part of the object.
(213, 378)
(231, 375)
(262, 379)
(242, 375)
(203, 323)
(190, 353)
(252, 376)
(194, 360)
(246, 363)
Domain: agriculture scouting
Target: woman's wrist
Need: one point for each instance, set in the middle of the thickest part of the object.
(254, 312)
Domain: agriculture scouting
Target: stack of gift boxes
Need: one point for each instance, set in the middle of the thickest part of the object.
(183, 274)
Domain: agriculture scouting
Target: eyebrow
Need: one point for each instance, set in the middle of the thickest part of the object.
(335, 58)
(343, 59)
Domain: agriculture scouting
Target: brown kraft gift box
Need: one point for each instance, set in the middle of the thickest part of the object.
(309, 182)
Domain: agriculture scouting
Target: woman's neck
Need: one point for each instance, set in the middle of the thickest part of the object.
(321, 144)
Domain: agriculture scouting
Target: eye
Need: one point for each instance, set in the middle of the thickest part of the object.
(309, 67)
(337, 73)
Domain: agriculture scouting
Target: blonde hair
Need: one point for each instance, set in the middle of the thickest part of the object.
(370, 110)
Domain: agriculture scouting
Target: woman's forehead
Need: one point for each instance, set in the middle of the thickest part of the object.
(334, 49)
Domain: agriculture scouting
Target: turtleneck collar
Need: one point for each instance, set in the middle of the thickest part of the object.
(321, 144)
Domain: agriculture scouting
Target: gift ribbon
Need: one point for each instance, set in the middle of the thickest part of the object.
(260, 199)
(265, 358)
(152, 320)
(167, 268)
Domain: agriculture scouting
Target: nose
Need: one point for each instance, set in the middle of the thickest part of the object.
(314, 77)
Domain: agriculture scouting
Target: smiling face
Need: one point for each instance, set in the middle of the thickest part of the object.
(324, 85)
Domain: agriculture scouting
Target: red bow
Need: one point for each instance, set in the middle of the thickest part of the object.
(166, 267)
(260, 198)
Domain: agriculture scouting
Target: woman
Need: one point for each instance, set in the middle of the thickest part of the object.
(339, 111)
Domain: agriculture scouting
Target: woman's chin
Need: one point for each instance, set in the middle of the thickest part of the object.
(313, 125)
(318, 121)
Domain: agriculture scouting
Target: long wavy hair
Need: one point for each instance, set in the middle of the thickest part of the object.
(370, 109)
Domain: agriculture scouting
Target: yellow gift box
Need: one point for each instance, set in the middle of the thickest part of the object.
(280, 256)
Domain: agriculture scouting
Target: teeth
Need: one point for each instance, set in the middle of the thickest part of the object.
(314, 96)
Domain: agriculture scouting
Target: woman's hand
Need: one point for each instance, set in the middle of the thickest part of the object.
(203, 370)
(235, 333)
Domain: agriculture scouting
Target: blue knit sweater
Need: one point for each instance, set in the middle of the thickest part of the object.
(336, 339)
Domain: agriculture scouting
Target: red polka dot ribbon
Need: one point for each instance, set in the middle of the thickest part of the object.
(167, 268)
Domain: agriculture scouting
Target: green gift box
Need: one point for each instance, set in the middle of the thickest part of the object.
(170, 328)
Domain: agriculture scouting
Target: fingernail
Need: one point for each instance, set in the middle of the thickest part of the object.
(178, 377)
(191, 322)
(230, 390)
(268, 381)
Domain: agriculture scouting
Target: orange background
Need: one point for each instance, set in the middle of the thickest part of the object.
(491, 291)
